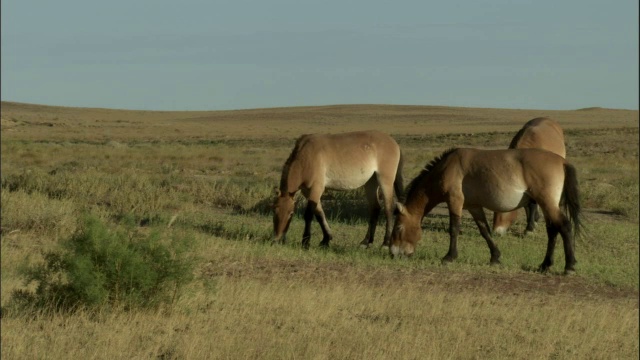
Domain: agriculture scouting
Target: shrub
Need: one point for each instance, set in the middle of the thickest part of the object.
(98, 268)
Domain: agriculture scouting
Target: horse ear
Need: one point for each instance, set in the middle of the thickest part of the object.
(401, 209)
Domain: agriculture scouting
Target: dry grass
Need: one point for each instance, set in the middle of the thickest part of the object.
(279, 309)
(280, 321)
(210, 175)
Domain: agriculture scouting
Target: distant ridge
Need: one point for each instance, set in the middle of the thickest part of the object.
(34, 106)
(23, 121)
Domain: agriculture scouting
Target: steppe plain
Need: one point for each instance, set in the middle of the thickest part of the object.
(209, 175)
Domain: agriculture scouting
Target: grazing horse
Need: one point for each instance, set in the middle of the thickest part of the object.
(499, 180)
(540, 133)
(340, 162)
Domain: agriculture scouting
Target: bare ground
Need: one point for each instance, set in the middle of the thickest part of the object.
(521, 284)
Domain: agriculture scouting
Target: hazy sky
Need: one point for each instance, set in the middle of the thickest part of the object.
(239, 54)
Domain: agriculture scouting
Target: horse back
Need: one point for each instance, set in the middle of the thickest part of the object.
(346, 160)
(357, 146)
(498, 179)
(541, 133)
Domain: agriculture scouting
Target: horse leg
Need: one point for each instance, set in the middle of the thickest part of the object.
(314, 208)
(552, 233)
(481, 221)
(308, 217)
(532, 216)
(324, 225)
(567, 242)
(371, 189)
(386, 186)
(455, 216)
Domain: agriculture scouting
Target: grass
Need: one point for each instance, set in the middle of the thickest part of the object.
(282, 320)
(261, 301)
(209, 176)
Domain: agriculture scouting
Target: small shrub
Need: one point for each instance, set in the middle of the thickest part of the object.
(98, 267)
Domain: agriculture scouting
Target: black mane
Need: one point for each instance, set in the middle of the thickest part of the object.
(287, 164)
(516, 139)
(427, 169)
(520, 133)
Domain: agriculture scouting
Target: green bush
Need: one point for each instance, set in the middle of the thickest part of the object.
(98, 268)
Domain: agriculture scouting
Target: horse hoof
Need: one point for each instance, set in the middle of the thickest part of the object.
(569, 272)
(364, 246)
(446, 260)
(495, 263)
(385, 247)
(542, 269)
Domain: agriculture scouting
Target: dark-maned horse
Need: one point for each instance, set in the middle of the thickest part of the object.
(539, 133)
(341, 162)
(498, 180)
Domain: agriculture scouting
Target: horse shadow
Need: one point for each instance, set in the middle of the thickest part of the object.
(339, 206)
(349, 207)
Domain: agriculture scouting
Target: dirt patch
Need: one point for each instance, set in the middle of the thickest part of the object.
(521, 284)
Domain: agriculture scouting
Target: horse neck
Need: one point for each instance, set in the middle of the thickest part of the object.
(422, 199)
(291, 178)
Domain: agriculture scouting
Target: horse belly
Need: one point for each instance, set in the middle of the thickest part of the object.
(348, 178)
(495, 199)
(506, 202)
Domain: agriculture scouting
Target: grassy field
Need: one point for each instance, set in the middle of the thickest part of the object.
(209, 176)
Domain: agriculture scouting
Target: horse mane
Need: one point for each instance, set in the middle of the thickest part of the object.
(413, 185)
(520, 133)
(516, 139)
(287, 164)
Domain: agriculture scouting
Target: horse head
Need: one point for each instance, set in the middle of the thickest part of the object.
(283, 208)
(406, 232)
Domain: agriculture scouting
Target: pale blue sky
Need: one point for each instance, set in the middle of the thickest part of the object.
(240, 54)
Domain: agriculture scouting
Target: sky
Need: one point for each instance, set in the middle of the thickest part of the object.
(244, 54)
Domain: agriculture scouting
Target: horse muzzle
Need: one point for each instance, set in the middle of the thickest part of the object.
(397, 252)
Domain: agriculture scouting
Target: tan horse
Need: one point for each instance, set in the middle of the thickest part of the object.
(341, 162)
(499, 180)
(539, 133)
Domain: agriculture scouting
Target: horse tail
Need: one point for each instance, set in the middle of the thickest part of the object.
(571, 198)
(397, 183)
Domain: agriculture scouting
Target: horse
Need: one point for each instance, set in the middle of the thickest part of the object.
(541, 133)
(499, 180)
(342, 161)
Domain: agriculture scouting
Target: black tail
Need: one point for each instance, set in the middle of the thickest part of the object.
(571, 198)
(397, 183)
